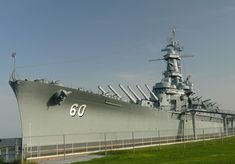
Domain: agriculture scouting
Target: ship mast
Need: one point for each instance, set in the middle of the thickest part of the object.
(173, 90)
(173, 59)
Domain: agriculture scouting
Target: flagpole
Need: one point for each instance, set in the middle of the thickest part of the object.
(13, 75)
(14, 64)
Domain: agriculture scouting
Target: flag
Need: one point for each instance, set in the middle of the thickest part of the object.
(13, 55)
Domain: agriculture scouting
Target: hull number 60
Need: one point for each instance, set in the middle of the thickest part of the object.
(76, 109)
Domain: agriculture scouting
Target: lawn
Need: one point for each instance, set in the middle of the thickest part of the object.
(213, 151)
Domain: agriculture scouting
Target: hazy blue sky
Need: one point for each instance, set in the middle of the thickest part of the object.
(99, 42)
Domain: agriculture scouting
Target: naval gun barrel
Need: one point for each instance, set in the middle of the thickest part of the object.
(142, 92)
(206, 100)
(115, 92)
(128, 95)
(102, 90)
(154, 96)
(133, 92)
(210, 103)
(197, 98)
(213, 104)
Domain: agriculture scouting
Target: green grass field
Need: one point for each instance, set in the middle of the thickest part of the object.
(213, 151)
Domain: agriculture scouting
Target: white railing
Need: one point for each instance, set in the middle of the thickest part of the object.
(95, 142)
(10, 153)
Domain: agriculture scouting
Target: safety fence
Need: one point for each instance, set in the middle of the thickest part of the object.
(10, 150)
(93, 142)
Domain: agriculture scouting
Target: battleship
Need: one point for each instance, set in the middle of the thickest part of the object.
(49, 109)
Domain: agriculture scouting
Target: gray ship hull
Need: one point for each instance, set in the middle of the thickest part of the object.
(43, 122)
(59, 120)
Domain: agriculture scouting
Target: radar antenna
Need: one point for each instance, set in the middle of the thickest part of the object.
(172, 36)
(181, 56)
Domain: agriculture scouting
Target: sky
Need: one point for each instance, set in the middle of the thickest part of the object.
(86, 43)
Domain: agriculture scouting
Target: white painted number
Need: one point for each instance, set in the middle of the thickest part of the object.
(75, 110)
(81, 110)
